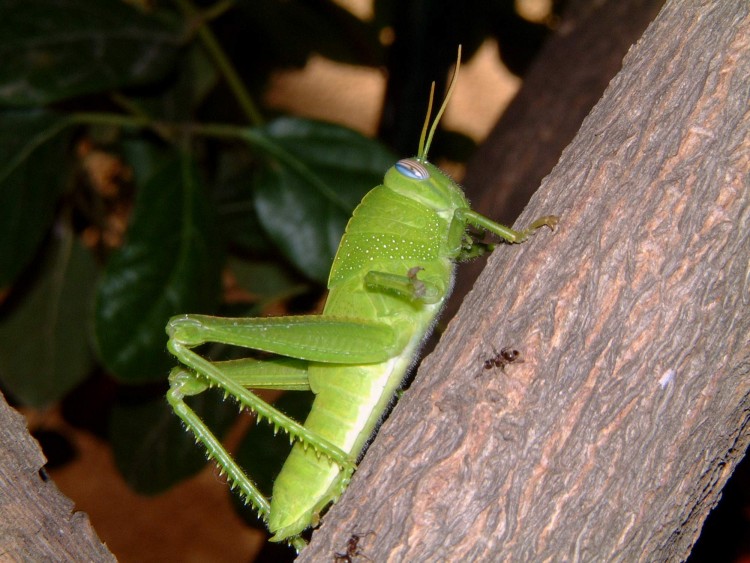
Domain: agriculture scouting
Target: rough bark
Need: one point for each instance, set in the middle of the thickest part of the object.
(568, 78)
(571, 74)
(37, 522)
(613, 439)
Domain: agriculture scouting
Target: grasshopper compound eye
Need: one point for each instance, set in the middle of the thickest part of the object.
(412, 169)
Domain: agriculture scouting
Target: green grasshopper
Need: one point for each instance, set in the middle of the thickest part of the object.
(390, 278)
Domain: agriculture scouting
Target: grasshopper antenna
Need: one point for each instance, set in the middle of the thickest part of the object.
(424, 146)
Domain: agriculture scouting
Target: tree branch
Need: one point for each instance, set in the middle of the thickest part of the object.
(566, 81)
(37, 521)
(613, 439)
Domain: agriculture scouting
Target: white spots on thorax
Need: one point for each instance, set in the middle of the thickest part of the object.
(360, 251)
(387, 247)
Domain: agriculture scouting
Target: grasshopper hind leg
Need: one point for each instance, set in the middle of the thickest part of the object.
(183, 383)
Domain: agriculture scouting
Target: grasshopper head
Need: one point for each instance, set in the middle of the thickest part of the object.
(415, 177)
(425, 183)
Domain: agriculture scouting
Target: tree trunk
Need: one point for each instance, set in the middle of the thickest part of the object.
(37, 522)
(613, 438)
(569, 77)
(571, 74)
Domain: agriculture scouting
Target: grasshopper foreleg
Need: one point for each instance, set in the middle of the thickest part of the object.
(471, 217)
(409, 286)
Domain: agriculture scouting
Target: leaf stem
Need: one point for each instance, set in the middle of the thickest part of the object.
(169, 131)
(137, 111)
(246, 134)
(222, 61)
(111, 119)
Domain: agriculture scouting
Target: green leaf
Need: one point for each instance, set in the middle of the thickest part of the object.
(190, 81)
(269, 281)
(235, 209)
(151, 447)
(145, 156)
(169, 264)
(56, 49)
(318, 173)
(44, 340)
(32, 176)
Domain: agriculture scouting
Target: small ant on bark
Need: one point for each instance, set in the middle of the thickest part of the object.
(352, 549)
(505, 357)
